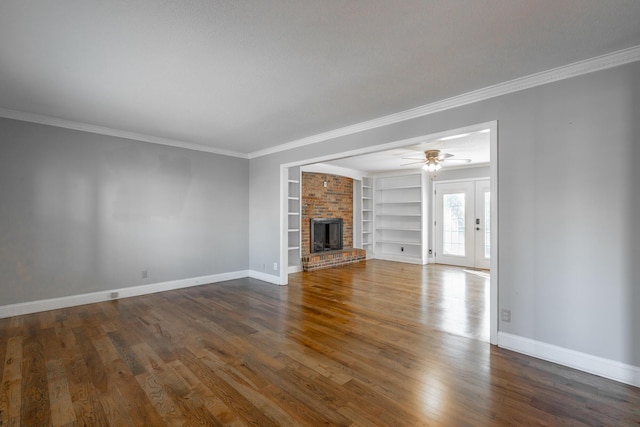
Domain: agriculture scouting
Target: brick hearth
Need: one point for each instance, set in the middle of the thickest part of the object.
(318, 260)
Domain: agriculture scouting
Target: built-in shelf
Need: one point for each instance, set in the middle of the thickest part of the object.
(399, 215)
(368, 212)
(399, 242)
(400, 220)
(294, 195)
(400, 228)
(399, 187)
(404, 202)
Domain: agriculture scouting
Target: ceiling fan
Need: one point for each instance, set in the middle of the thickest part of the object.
(434, 159)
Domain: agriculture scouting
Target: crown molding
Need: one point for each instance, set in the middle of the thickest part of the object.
(100, 130)
(609, 60)
(598, 63)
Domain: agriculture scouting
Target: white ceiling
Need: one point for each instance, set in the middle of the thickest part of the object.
(246, 75)
(474, 146)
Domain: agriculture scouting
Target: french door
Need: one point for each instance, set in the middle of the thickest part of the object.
(462, 223)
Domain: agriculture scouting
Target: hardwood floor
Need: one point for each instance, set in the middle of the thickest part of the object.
(375, 343)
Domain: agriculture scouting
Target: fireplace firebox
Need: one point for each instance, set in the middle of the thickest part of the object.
(326, 234)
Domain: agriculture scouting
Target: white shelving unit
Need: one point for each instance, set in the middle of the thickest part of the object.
(293, 220)
(400, 217)
(367, 216)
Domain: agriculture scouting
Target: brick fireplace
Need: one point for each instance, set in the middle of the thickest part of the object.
(328, 197)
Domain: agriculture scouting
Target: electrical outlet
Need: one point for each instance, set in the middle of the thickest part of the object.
(144, 274)
(506, 315)
(275, 266)
(114, 295)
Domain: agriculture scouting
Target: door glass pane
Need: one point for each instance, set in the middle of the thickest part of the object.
(453, 227)
(487, 224)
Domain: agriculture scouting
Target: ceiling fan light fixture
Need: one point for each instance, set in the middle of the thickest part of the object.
(432, 161)
(432, 166)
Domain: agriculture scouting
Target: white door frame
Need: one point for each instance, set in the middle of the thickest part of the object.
(493, 176)
(481, 261)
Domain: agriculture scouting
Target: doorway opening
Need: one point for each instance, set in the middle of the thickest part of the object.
(443, 141)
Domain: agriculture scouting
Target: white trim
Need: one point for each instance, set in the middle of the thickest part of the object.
(598, 63)
(399, 258)
(607, 368)
(399, 172)
(101, 130)
(495, 230)
(284, 226)
(276, 280)
(450, 181)
(294, 269)
(333, 170)
(472, 166)
(89, 298)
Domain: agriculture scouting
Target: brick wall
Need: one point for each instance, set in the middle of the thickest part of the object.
(333, 201)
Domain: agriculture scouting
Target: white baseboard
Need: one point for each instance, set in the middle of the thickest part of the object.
(399, 258)
(93, 297)
(607, 368)
(265, 277)
(294, 269)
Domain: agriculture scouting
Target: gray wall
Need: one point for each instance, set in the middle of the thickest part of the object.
(81, 212)
(568, 179)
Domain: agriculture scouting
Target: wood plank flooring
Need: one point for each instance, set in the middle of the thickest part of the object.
(375, 343)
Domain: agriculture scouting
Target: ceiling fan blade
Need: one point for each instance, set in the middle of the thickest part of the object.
(443, 156)
(413, 158)
(412, 163)
(456, 161)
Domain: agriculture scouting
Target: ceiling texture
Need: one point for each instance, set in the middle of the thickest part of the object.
(241, 76)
